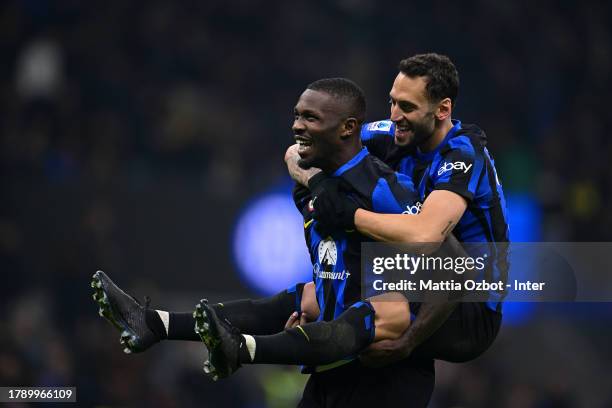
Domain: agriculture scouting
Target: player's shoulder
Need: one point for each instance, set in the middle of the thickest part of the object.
(371, 171)
(468, 139)
(469, 135)
(366, 170)
(381, 128)
(365, 174)
(371, 167)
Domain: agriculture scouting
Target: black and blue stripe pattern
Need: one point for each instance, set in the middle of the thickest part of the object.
(336, 258)
(461, 164)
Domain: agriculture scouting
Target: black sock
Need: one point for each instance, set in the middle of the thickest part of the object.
(260, 316)
(244, 355)
(155, 323)
(182, 327)
(319, 343)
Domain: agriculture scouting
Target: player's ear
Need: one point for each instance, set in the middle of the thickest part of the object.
(444, 109)
(350, 126)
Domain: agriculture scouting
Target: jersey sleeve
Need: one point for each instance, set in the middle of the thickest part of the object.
(378, 188)
(377, 137)
(459, 169)
(301, 198)
(395, 194)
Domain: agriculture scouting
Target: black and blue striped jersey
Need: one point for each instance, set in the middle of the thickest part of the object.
(336, 258)
(461, 164)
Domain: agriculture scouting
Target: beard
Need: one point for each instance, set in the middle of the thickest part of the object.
(423, 130)
(415, 133)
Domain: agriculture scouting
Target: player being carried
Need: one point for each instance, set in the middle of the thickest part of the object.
(327, 124)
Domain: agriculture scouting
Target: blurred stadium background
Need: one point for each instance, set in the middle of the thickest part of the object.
(141, 139)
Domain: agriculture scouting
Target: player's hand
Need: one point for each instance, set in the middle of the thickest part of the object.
(320, 182)
(296, 319)
(298, 173)
(333, 208)
(385, 352)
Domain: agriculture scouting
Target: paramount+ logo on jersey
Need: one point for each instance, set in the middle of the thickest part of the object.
(458, 165)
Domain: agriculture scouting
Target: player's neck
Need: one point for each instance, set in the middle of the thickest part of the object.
(440, 132)
(342, 157)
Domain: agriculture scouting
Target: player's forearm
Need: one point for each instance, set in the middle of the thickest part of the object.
(391, 227)
(432, 315)
(439, 214)
(297, 173)
(429, 318)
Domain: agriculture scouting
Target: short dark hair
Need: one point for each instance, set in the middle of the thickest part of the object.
(442, 76)
(345, 90)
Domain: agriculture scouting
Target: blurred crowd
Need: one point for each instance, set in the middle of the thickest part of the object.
(128, 129)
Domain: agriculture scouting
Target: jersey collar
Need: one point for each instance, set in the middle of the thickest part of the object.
(451, 133)
(351, 163)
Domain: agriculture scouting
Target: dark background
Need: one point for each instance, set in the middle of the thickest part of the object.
(133, 133)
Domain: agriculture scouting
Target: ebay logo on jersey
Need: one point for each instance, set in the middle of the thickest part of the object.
(413, 209)
(459, 166)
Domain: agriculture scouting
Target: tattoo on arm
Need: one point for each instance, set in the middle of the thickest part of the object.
(449, 227)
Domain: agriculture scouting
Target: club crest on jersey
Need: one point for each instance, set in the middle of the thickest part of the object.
(459, 166)
(413, 209)
(380, 126)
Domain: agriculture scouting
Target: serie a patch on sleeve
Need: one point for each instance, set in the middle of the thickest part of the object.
(380, 126)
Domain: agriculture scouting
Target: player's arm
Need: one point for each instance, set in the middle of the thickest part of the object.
(429, 318)
(454, 185)
(440, 213)
(298, 174)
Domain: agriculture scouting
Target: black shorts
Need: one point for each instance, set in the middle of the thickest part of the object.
(409, 382)
(467, 333)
